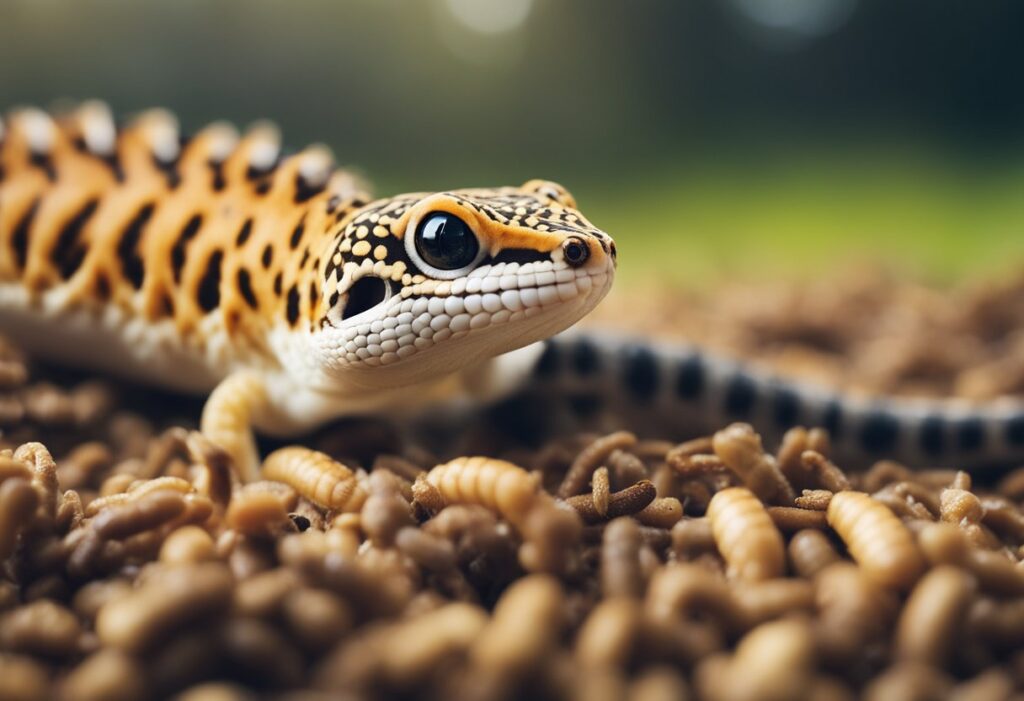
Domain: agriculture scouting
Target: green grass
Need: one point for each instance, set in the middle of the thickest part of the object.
(937, 219)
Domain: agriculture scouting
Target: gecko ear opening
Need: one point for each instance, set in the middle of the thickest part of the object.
(365, 294)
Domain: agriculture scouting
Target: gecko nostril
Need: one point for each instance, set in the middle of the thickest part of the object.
(576, 252)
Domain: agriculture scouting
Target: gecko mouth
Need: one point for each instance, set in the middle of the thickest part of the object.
(430, 313)
(365, 294)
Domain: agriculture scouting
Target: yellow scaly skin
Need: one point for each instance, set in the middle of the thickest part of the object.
(277, 283)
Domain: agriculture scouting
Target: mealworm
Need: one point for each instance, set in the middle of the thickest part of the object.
(527, 621)
(876, 539)
(757, 602)
(608, 635)
(14, 469)
(179, 596)
(810, 551)
(18, 500)
(773, 661)
(44, 474)
(501, 486)
(960, 507)
(385, 510)
(814, 499)
(186, 545)
(620, 559)
(663, 512)
(691, 537)
(138, 491)
(682, 589)
(106, 674)
(42, 628)
(626, 468)
(600, 488)
(933, 614)
(148, 512)
(589, 459)
(260, 507)
(409, 650)
(316, 617)
(789, 519)
(70, 513)
(854, 611)
(626, 502)
(943, 543)
(316, 476)
(746, 536)
(830, 476)
(739, 447)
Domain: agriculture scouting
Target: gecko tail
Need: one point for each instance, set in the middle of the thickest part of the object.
(685, 391)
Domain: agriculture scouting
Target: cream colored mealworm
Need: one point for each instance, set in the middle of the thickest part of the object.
(500, 486)
(746, 536)
(876, 539)
(316, 476)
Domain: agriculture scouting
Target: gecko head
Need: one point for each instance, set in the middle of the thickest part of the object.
(421, 285)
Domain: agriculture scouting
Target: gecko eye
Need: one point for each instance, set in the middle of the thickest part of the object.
(446, 242)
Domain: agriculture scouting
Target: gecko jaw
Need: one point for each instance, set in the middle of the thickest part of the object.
(496, 308)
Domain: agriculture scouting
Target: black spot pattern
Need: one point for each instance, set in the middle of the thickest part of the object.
(1015, 430)
(304, 191)
(585, 358)
(244, 233)
(218, 182)
(740, 395)
(292, 310)
(188, 232)
(785, 406)
(296, 238)
(832, 418)
(245, 288)
(879, 432)
(208, 293)
(932, 436)
(690, 378)
(268, 256)
(547, 364)
(970, 434)
(69, 252)
(640, 372)
(128, 247)
(584, 405)
(20, 237)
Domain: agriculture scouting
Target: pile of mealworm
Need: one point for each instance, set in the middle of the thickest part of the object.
(860, 328)
(588, 566)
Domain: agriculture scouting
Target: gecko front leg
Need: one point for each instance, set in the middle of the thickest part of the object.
(228, 417)
(247, 400)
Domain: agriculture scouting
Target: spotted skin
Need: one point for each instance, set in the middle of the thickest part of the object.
(278, 282)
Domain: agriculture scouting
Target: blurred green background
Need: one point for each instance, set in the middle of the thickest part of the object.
(710, 137)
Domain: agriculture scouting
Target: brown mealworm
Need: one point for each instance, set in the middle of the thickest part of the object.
(589, 459)
(739, 447)
(626, 502)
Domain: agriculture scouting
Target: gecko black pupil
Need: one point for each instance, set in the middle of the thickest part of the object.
(445, 242)
(576, 252)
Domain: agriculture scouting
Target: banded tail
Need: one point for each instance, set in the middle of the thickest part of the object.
(682, 388)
